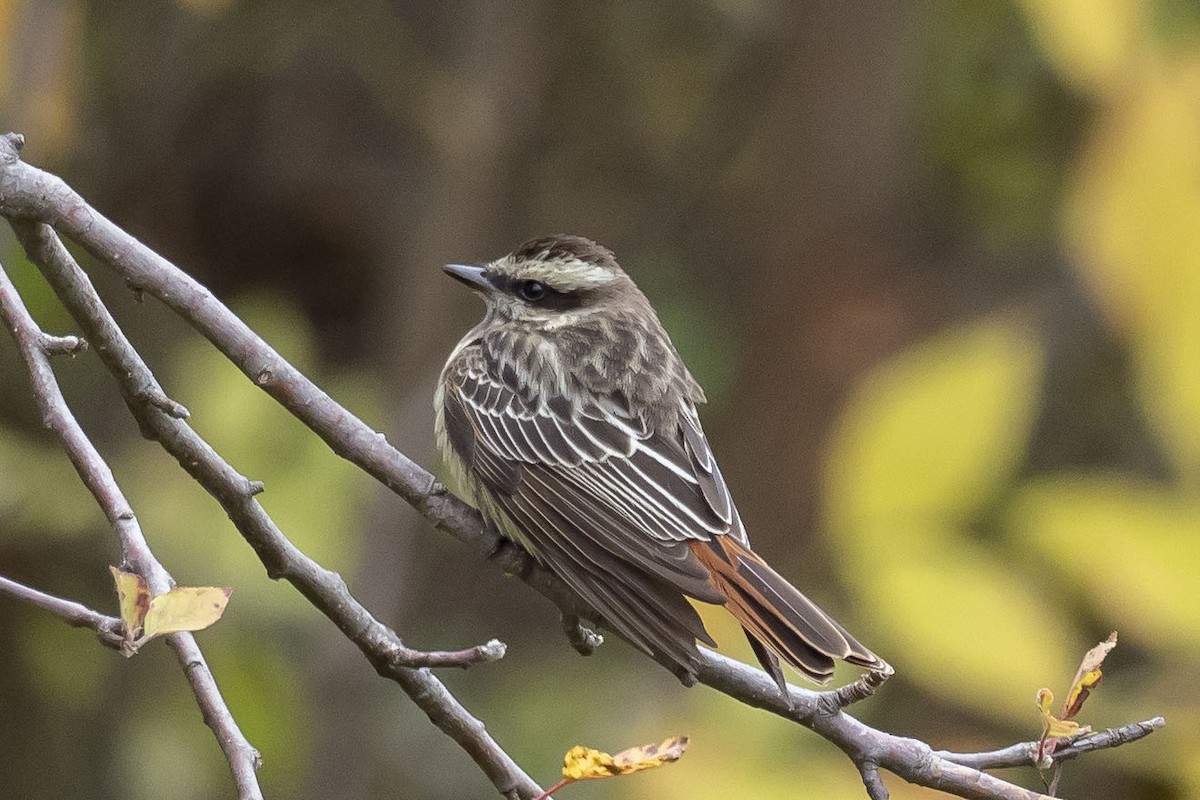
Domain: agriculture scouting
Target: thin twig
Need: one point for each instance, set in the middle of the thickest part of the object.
(94, 471)
(1055, 777)
(77, 615)
(871, 780)
(486, 653)
(1025, 753)
(325, 589)
(1110, 737)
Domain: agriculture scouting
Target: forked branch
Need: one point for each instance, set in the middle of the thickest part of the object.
(29, 196)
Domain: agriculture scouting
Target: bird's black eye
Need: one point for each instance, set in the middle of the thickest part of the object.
(532, 290)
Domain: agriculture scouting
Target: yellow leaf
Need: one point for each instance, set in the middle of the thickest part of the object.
(134, 597)
(185, 608)
(584, 763)
(1052, 726)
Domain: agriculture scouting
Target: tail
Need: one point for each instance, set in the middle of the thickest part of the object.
(778, 619)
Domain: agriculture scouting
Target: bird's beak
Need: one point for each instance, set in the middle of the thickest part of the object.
(472, 277)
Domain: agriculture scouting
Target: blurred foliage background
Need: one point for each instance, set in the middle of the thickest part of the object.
(938, 265)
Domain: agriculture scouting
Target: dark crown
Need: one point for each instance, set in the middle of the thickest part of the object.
(561, 247)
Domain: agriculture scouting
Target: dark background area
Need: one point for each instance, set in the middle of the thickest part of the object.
(937, 266)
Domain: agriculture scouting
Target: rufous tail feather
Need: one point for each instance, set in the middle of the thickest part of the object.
(779, 620)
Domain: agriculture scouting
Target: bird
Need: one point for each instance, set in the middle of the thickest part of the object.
(568, 419)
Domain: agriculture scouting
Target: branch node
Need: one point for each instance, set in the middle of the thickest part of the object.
(834, 701)
(156, 398)
(63, 345)
(110, 635)
(254, 487)
(491, 650)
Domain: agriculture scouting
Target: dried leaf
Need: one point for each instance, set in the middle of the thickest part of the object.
(1088, 676)
(185, 608)
(651, 755)
(133, 596)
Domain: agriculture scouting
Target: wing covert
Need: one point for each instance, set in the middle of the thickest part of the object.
(630, 492)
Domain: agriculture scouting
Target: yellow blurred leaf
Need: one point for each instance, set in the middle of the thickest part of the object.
(1131, 226)
(134, 598)
(935, 431)
(970, 605)
(1140, 564)
(231, 413)
(1092, 45)
(185, 608)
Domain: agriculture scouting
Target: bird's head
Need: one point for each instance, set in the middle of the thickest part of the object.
(550, 282)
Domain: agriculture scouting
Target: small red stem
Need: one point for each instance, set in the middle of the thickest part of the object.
(546, 794)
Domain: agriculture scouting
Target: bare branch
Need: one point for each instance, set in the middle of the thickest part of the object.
(1110, 737)
(31, 193)
(1025, 753)
(492, 650)
(77, 615)
(325, 589)
(33, 345)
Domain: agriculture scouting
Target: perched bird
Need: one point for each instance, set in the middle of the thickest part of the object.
(567, 417)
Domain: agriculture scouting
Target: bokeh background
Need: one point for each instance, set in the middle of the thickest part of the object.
(937, 264)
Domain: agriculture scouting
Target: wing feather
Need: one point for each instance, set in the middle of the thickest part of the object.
(670, 630)
(608, 502)
(712, 484)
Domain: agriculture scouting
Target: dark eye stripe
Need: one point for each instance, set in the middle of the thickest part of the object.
(548, 298)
